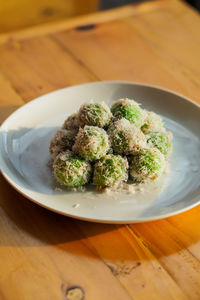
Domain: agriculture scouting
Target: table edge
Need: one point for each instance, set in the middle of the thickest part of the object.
(96, 17)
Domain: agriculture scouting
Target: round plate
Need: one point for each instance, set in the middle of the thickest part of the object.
(24, 156)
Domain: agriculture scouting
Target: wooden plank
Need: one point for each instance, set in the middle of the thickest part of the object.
(96, 18)
(44, 255)
(176, 243)
(132, 262)
(187, 225)
(17, 14)
(40, 65)
(10, 100)
(178, 48)
(123, 53)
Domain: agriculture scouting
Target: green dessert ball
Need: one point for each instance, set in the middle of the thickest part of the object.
(128, 109)
(91, 143)
(147, 165)
(152, 122)
(62, 140)
(162, 140)
(94, 114)
(70, 170)
(125, 138)
(71, 123)
(110, 170)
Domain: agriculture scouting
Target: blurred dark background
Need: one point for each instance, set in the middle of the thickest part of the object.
(195, 3)
(106, 4)
(19, 14)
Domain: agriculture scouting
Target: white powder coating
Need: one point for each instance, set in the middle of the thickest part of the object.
(71, 123)
(143, 170)
(162, 140)
(123, 187)
(62, 140)
(126, 138)
(94, 114)
(65, 165)
(130, 131)
(152, 122)
(92, 143)
(111, 174)
(133, 111)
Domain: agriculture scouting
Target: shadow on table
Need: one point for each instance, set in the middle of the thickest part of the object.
(44, 226)
(29, 225)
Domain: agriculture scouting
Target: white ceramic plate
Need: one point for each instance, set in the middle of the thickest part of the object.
(24, 140)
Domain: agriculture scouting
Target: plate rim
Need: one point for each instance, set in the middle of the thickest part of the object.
(20, 189)
(100, 82)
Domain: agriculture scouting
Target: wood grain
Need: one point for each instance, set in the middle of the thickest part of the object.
(44, 254)
(47, 256)
(97, 17)
(10, 100)
(128, 46)
(17, 14)
(41, 66)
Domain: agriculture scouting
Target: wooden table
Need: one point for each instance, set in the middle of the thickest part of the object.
(47, 256)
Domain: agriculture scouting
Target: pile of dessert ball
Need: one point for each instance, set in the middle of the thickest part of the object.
(107, 146)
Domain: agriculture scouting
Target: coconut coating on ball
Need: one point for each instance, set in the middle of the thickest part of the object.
(128, 109)
(147, 165)
(62, 140)
(70, 170)
(110, 170)
(94, 114)
(152, 122)
(126, 138)
(162, 140)
(71, 123)
(92, 143)
(110, 145)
